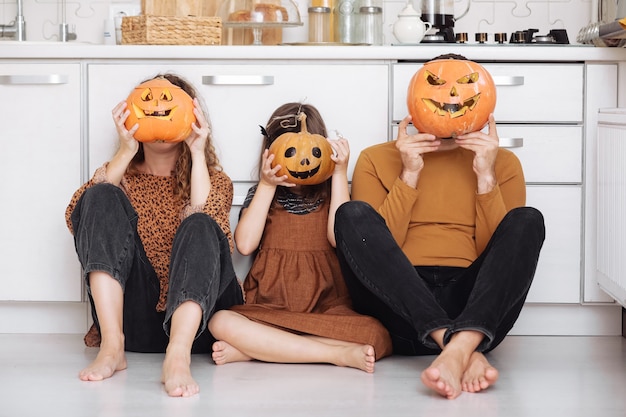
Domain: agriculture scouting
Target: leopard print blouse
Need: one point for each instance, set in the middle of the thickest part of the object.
(160, 214)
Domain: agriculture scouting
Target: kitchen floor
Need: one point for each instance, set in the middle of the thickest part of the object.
(539, 376)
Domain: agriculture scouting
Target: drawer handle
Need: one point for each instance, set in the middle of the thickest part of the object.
(508, 80)
(238, 80)
(50, 79)
(511, 142)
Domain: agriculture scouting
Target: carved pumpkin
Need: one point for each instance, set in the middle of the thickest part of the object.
(304, 157)
(163, 110)
(450, 97)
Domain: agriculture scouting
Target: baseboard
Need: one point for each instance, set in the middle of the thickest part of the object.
(569, 320)
(535, 319)
(35, 317)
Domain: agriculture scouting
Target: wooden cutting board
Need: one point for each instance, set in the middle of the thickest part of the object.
(180, 7)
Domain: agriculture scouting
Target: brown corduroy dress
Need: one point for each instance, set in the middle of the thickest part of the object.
(295, 284)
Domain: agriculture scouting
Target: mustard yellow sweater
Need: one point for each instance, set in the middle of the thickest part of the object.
(442, 222)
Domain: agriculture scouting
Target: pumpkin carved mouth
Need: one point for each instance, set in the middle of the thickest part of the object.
(302, 175)
(452, 109)
(158, 114)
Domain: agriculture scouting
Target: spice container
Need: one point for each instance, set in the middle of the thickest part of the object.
(319, 24)
(370, 25)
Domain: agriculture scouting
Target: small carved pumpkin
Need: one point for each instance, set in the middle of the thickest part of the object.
(304, 157)
(450, 97)
(163, 110)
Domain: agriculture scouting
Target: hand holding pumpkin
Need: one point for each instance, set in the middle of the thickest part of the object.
(128, 143)
(269, 174)
(200, 130)
(411, 148)
(485, 147)
(341, 154)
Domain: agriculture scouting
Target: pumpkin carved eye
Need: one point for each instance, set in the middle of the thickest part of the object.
(432, 79)
(290, 152)
(317, 152)
(468, 79)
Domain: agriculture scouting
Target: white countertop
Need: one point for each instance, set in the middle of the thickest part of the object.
(422, 52)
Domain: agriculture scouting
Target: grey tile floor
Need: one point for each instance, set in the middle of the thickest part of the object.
(539, 376)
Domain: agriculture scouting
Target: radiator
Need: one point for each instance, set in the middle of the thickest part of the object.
(611, 233)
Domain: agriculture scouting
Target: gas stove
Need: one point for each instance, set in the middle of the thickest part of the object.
(525, 37)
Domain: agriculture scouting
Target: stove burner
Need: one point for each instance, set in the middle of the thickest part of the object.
(555, 36)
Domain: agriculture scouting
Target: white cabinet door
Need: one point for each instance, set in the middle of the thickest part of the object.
(558, 273)
(40, 169)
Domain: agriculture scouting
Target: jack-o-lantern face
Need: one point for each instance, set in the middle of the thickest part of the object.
(304, 157)
(163, 110)
(450, 97)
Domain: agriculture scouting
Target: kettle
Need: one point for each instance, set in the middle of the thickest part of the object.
(409, 28)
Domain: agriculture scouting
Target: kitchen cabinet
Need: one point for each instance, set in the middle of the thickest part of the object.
(549, 121)
(40, 168)
(538, 119)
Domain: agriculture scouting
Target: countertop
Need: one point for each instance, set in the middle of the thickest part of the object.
(421, 52)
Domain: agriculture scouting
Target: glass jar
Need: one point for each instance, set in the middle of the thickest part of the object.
(319, 24)
(370, 25)
(345, 21)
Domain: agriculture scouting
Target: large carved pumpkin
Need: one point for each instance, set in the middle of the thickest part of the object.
(163, 110)
(304, 157)
(450, 97)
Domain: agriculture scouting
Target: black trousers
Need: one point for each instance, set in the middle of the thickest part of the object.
(412, 301)
(201, 269)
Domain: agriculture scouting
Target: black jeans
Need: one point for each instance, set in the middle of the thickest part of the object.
(201, 269)
(412, 301)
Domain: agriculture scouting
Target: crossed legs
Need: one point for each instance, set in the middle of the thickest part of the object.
(241, 339)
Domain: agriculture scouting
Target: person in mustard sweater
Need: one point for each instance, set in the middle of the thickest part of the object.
(437, 244)
(152, 233)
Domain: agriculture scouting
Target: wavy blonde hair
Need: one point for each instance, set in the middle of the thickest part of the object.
(182, 171)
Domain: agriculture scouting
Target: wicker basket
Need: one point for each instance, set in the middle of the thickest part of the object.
(171, 30)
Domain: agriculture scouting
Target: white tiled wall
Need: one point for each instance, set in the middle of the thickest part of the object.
(491, 16)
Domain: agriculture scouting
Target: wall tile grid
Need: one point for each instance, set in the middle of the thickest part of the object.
(87, 17)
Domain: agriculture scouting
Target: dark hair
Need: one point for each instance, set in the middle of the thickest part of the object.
(182, 171)
(285, 119)
(449, 56)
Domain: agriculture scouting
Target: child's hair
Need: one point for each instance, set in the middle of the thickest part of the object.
(285, 119)
(182, 172)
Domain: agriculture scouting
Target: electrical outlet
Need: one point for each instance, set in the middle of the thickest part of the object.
(124, 9)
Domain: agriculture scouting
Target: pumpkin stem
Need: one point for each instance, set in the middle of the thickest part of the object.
(302, 118)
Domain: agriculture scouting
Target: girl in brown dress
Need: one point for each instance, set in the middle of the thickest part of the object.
(297, 307)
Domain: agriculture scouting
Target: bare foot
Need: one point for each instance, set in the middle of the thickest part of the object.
(479, 374)
(444, 374)
(224, 353)
(176, 375)
(108, 361)
(358, 356)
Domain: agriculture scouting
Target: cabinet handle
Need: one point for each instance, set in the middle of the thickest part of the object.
(508, 80)
(238, 79)
(511, 142)
(49, 79)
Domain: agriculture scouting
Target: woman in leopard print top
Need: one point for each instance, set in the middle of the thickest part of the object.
(152, 233)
